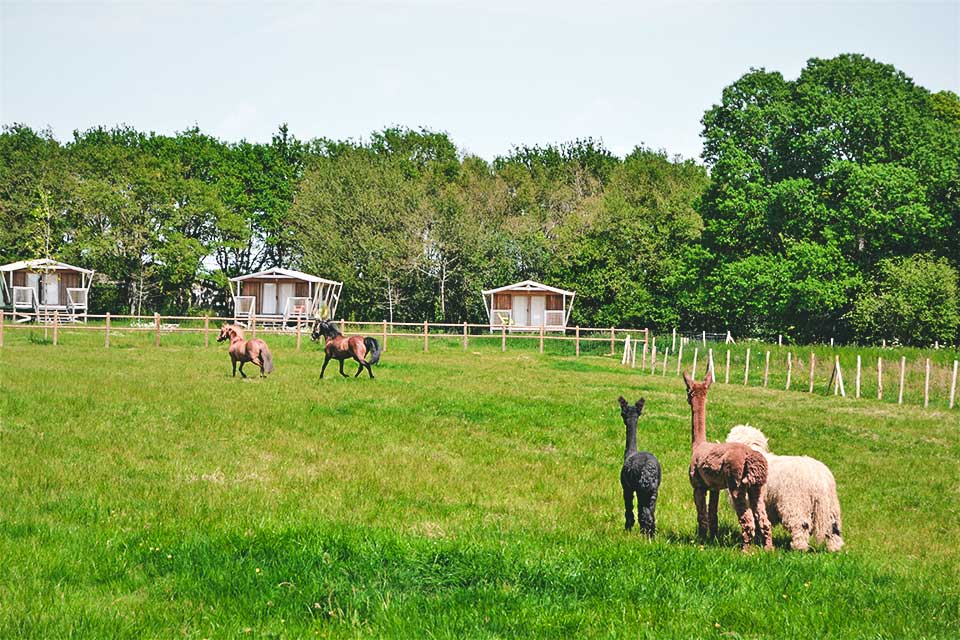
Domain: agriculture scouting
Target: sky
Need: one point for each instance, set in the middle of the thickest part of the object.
(492, 73)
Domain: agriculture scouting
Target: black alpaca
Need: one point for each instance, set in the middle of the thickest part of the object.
(640, 474)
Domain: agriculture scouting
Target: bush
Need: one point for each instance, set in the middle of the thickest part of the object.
(911, 300)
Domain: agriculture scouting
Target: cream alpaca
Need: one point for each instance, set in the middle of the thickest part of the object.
(801, 493)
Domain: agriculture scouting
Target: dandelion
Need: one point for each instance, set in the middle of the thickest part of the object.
(169, 556)
(716, 624)
(784, 596)
(258, 569)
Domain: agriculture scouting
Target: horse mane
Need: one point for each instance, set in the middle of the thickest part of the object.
(237, 330)
(333, 328)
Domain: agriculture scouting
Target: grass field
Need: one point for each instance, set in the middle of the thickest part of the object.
(146, 493)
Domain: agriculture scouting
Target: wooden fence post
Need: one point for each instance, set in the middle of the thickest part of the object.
(653, 359)
(813, 363)
(383, 333)
(643, 354)
(299, 332)
(577, 341)
(726, 375)
(926, 385)
(466, 340)
(789, 368)
(880, 378)
(953, 384)
(696, 351)
(426, 337)
(666, 356)
(673, 344)
(106, 332)
(1, 327)
(503, 338)
(253, 325)
(704, 339)
(541, 338)
(156, 329)
(903, 366)
(56, 326)
(343, 326)
(766, 370)
(613, 339)
(206, 331)
(746, 368)
(680, 357)
(858, 378)
(838, 378)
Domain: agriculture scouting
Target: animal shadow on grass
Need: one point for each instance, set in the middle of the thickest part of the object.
(727, 536)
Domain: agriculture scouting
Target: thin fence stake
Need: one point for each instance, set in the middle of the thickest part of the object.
(156, 329)
(880, 378)
(838, 379)
(680, 357)
(56, 326)
(633, 354)
(206, 329)
(858, 378)
(813, 363)
(696, 351)
(726, 375)
(299, 333)
(704, 339)
(746, 368)
(613, 339)
(903, 367)
(384, 332)
(710, 368)
(666, 356)
(577, 341)
(643, 354)
(953, 383)
(1, 327)
(253, 325)
(789, 368)
(653, 359)
(106, 332)
(343, 326)
(673, 343)
(466, 340)
(541, 337)
(626, 350)
(503, 338)
(426, 337)
(926, 385)
(766, 370)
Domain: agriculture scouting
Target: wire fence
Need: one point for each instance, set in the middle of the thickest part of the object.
(903, 376)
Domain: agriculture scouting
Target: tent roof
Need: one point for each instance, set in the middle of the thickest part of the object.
(279, 272)
(42, 263)
(528, 286)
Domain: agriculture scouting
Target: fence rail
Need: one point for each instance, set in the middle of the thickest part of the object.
(762, 365)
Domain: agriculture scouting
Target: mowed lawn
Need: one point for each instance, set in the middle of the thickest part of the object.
(146, 493)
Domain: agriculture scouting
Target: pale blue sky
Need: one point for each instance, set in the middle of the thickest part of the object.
(492, 73)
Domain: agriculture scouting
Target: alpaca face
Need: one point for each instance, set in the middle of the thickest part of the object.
(630, 411)
(696, 389)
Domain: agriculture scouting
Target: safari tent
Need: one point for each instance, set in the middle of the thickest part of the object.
(40, 289)
(284, 297)
(527, 306)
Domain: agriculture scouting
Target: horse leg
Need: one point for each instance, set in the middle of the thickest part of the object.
(341, 369)
(712, 512)
(326, 361)
(234, 361)
(359, 367)
(242, 362)
(260, 364)
(369, 370)
(700, 500)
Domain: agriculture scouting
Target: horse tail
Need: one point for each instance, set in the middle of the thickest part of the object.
(267, 358)
(373, 350)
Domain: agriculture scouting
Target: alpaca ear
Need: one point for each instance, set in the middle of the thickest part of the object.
(623, 403)
(708, 379)
(687, 380)
(640, 404)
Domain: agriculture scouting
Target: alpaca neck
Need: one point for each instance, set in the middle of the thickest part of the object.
(631, 446)
(698, 421)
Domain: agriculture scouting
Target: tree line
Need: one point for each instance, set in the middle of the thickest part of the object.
(826, 206)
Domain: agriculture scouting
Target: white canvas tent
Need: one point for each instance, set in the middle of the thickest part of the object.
(283, 296)
(527, 306)
(37, 289)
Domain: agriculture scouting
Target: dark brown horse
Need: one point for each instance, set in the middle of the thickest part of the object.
(243, 351)
(341, 347)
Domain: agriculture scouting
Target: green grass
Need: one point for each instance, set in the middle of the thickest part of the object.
(146, 493)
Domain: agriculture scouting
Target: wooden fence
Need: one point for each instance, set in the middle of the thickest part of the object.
(791, 373)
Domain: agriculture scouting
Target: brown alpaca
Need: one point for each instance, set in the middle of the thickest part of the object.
(717, 466)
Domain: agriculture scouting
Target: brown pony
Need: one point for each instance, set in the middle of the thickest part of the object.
(243, 351)
(341, 347)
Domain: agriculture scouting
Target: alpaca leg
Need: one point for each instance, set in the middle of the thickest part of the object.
(647, 506)
(834, 542)
(712, 512)
(741, 505)
(628, 508)
(326, 361)
(700, 500)
(756, 504)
